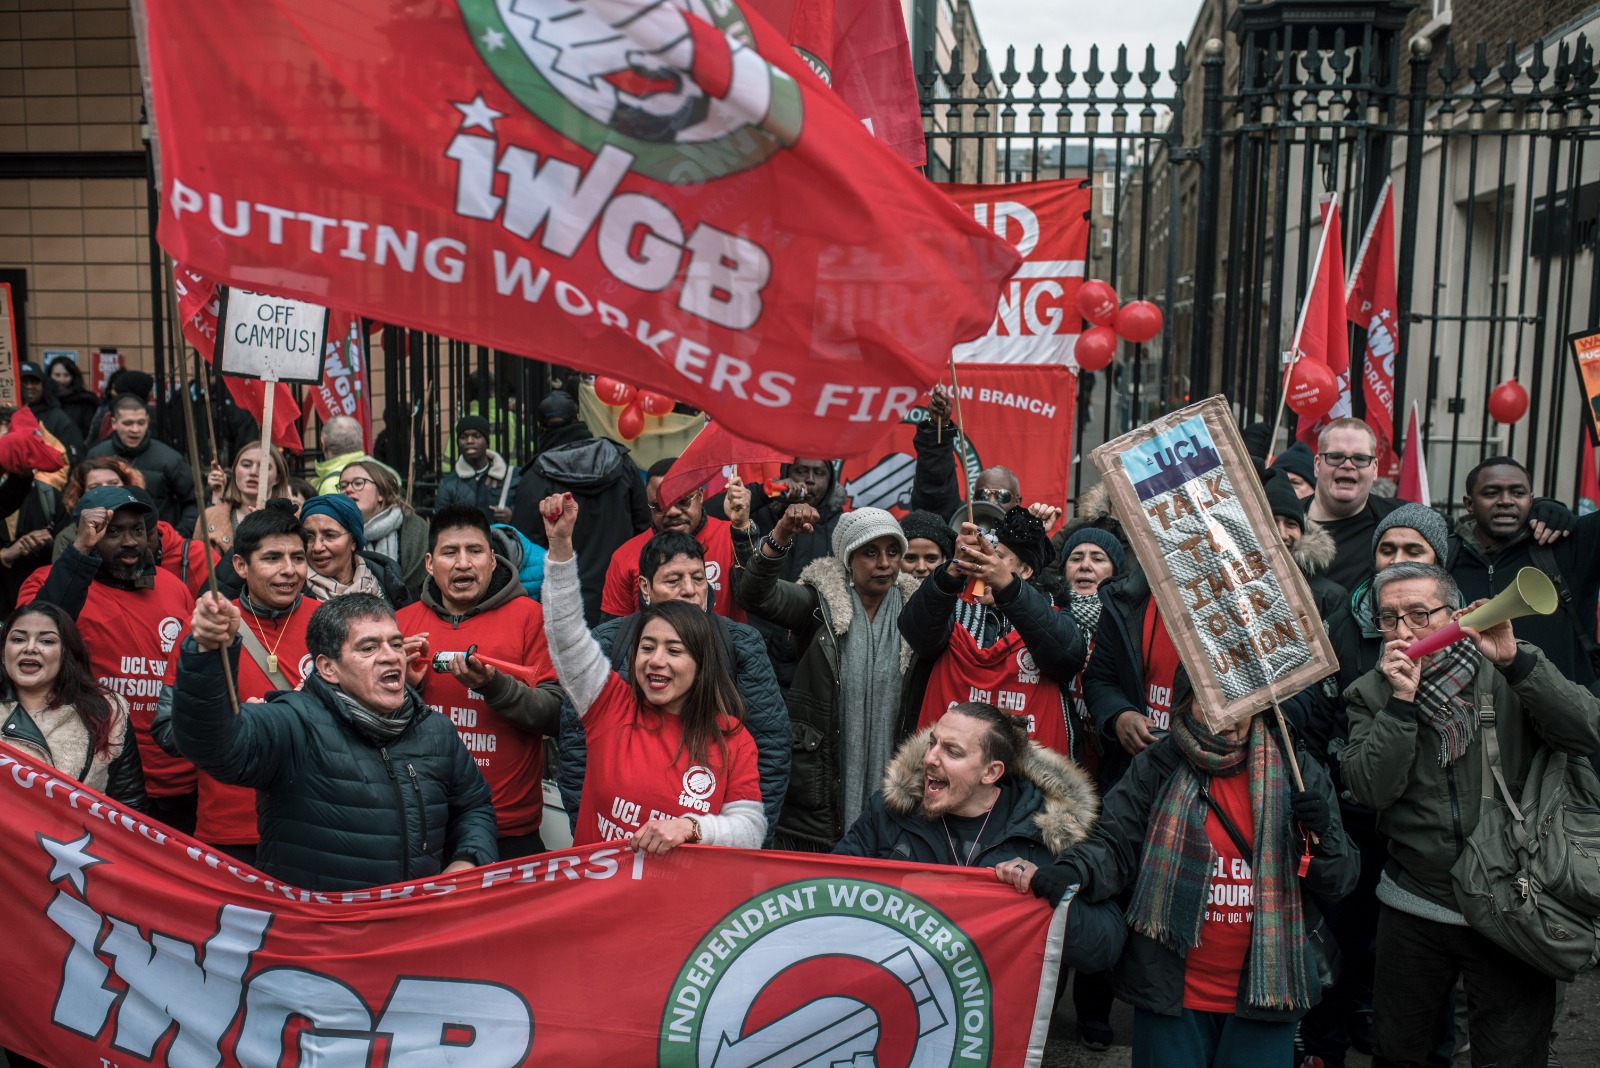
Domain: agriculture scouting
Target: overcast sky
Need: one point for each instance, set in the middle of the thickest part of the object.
(1081, 23)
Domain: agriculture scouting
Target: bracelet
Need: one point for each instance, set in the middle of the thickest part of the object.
(781, 550)
(696, 836)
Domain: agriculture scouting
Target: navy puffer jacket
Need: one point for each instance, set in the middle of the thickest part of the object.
(337, 811)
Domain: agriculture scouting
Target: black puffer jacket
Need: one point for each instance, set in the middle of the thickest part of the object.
(336, 810)
(1150, 976)
(611, 506)
(166, 478)
(1048, 806)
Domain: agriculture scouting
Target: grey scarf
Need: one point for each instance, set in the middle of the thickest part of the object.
(383, 532)
(377, 729)
(869, 698)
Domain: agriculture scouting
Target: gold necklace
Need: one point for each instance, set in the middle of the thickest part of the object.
(272, 653)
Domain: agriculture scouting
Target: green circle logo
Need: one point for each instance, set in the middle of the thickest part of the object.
(677, 84)
(826, 971)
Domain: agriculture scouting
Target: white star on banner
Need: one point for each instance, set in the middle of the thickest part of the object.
(478, 114)
(71, 858)
(493, 39)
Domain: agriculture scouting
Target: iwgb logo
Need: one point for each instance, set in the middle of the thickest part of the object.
(830, 971)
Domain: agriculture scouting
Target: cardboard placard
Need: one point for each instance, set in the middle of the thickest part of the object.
(1237, 607)
(10, 373)
(1586, 355)
(273, 338)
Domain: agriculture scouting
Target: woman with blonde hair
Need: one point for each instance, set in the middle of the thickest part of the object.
(237, 491)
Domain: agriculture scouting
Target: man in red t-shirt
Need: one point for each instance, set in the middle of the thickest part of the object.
(130, 614)
(621, 596)
(472, 598)
(269, 554)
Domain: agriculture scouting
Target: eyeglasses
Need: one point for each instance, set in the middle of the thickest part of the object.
(1358, 460)
(996, 496)
(682, 502)
(354, 484)
(1417, 617)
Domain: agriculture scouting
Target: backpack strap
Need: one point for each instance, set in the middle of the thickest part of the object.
(258, 652)
(621, 642)
(1544, 558)
(1227, 823)
(1493, 774)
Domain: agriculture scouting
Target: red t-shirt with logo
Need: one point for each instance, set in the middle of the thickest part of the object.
(131, 634)
(1003, 675)
(621, 594)
(224, 814)
(636, 773)
(1212, 968)
(510, 757)
(1160, 668)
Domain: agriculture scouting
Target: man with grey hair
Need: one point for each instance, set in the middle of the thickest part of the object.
(1414, 756)
(342, 445)
(359, 783)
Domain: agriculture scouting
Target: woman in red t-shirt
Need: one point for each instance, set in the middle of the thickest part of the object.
(669, 759)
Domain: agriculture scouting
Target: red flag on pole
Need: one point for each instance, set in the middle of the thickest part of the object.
(1373, 304)
(1413, 464)
(344, 389)
(197, 304)
(1322, 333)
(703, 462)
(661, 193)
(859, 47)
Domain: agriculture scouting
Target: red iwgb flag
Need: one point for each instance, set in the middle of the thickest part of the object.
(198, 305)
(130, 943)
(708, 458)
(1322, 333)
(1373, 304)
(665, 194)
(859, 47)
(344, 386)
(1413, 464)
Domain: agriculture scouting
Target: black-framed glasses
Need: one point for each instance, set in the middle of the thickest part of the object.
(1358, 460)
(354, 484)
(1416, 618)
(996, 496)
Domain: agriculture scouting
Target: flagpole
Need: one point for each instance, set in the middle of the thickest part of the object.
(978, 587)
(1283, 402)
(1366, 240)
(1300, 326)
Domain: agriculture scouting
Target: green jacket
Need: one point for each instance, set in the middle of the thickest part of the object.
(327, 476)
(1428, 812)
(818, 610)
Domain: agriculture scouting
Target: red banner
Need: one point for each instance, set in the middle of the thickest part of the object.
(344, 389)
(1373, 303)
(859, 47)
(119, 929)
(1036, 319)
(198, 305)
(1019, 417)
(1322, 333)
(662, 193)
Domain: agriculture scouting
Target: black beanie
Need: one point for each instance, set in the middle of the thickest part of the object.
(1023, 533)
(472, 422)
(1282, 498)
(926, 525)
(1297, 460)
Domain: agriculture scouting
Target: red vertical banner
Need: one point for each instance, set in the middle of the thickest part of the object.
(127, 941)
(1017, 416)
(1036, 319)
(344, 389)
(1373, 303)
(1322, 333)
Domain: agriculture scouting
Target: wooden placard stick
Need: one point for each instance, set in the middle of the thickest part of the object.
(978, 587)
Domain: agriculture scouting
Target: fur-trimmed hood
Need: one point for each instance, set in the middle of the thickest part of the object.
(831, 579)
(1094, 503)
(1316, 548)
(1070, 802)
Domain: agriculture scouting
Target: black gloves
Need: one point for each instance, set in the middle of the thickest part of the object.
(1051, 881)
(1310, 811)
(1553, 514)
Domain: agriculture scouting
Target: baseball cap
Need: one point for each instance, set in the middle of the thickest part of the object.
(115, 498)
(29, 369)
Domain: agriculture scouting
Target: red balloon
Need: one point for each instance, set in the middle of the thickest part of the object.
(1312, 388)
(1138, 321)
(655, 403)
(1097, 301)
(630, 424)
(1096, 348)
(610, 391)
(1508, 402)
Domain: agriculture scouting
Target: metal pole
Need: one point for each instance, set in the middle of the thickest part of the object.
(1417, 103)
(1205, 269)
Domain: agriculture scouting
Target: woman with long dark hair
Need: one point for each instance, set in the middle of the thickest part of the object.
(670, 741)
(53, 709)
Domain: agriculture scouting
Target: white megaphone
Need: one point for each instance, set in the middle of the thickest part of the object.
(1532, 594)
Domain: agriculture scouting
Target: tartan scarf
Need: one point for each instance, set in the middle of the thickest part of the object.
(1445, 675)
(1169, 897)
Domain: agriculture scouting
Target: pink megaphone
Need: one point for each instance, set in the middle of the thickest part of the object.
(1532, 594)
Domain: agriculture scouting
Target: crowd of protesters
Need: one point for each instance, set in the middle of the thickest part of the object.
(373, 695)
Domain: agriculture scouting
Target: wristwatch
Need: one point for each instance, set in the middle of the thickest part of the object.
(695, 837)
